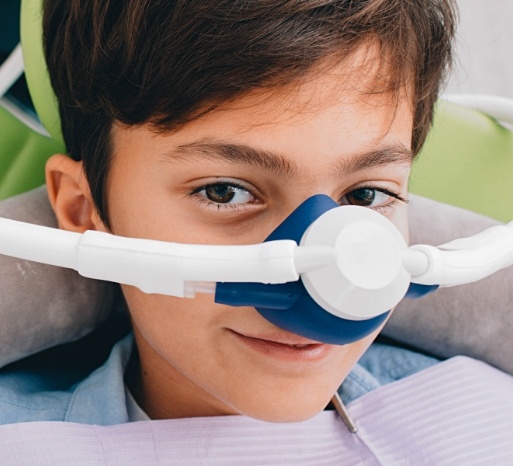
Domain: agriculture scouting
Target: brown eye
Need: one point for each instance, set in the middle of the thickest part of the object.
(225, 194)
(220, 193)
(374, 198)
(363, 197)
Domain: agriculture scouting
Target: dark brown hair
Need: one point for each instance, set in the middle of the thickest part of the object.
(166, 62)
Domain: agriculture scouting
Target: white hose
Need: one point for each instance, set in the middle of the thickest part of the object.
(500, 108)
(11, 69)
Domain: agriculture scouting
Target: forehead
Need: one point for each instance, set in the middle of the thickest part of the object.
(349, 106)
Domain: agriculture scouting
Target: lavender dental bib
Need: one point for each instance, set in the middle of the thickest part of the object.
(457, 412)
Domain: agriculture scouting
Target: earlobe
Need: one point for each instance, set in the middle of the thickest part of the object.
(69, 194)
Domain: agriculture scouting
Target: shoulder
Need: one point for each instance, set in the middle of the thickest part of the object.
(382, 364)
(389, 363)
(41, 390)
(31, 395)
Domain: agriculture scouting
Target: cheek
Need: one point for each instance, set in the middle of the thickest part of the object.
(177, 335)
(164, 319)
(399, 217)
(402, 225)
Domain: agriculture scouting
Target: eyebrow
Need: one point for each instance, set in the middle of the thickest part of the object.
(237, 154)
(395, 154)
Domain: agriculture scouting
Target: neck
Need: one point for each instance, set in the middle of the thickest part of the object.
(163, 392)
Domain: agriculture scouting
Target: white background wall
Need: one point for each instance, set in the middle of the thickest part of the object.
(484, 48)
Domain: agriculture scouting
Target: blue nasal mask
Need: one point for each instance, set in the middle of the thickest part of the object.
(350, 311)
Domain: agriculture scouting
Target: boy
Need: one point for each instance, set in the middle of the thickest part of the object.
(209, 122)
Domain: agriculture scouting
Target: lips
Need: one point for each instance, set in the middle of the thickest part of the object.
(284, 346)
(296, 343)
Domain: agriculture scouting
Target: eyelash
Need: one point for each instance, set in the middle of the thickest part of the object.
(209, 203)
(395, 198)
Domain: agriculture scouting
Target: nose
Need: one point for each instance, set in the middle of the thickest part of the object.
(298, 306)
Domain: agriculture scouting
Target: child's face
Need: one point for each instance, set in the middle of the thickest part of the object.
(230, 178)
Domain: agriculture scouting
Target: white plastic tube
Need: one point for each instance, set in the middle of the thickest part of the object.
(498, 107)
(161, 267)
(347, 261)
(157, 266)
(38, 243)
(469, 259)
(11, 69)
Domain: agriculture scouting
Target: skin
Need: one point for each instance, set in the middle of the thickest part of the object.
(198, 358)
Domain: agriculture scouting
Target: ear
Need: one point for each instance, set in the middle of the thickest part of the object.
(70, 196)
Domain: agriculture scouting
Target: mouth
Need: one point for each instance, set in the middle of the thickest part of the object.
(288, 347)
